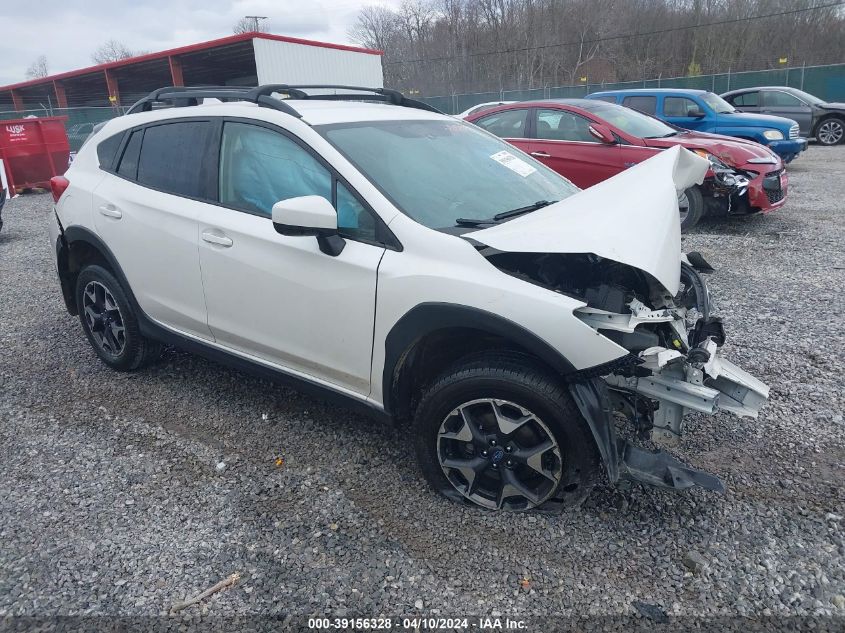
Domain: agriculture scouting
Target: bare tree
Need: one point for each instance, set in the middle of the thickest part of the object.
(113, 51)
(250, 24)
(38, 68)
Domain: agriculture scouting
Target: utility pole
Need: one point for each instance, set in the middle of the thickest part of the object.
(254, 19)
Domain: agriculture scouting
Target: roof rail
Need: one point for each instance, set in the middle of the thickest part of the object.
(181, 96)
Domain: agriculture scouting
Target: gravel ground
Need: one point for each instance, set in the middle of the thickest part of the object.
(122, 494)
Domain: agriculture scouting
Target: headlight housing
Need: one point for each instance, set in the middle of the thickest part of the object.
(773, 135)
(714, 161)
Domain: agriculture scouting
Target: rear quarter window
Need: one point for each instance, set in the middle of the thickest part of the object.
(107, 151)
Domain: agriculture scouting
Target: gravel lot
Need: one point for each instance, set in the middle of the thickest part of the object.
(122, 494)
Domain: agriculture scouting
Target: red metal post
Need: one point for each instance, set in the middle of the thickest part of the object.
(111, 85)
(17, 99)
(61, 97)
(176, 71)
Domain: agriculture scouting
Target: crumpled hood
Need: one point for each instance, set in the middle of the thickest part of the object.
(732, 151)
(832, 106)
(631, 218)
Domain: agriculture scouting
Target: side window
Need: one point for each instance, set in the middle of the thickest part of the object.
(745, 100)
(559, 125)
(505, 124)
(128, 167)
(778, 99)
(679, 106)
(353, 220)
(107, 150)
(645, 104)
(259, 167)
(608, 98)
(172, 156)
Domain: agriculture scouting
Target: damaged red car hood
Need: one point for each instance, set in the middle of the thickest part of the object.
(631, 218)
(732, 151)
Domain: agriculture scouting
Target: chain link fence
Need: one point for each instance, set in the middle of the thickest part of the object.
(79, 124)
(825, 82)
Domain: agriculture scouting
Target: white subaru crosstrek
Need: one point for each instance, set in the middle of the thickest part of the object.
(363, 246)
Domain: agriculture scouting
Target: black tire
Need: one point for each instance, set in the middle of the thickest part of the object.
(519, 380)
(695, 210)
(127, 351)
(830, 131)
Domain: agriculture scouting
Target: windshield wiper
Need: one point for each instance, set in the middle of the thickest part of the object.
(504, 215)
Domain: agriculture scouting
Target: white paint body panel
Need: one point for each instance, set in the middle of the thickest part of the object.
(631, 218)
(279, 301)
(289, 63)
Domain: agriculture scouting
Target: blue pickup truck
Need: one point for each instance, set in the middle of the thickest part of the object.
(703, 111)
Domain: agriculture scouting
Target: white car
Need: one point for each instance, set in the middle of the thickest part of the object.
(480, 107)
(413, 265)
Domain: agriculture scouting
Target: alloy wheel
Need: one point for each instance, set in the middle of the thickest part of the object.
(103, 318)
(830, 132)
(499, 455)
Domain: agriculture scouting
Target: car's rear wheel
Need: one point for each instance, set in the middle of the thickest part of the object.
(110, 323)
(830, 131)
(500, 432)
(690, 207)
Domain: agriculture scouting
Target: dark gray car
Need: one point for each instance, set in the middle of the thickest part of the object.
(825, 121)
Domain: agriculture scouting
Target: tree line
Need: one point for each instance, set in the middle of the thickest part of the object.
(455, 46)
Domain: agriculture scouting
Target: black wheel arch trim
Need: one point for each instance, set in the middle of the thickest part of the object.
(153, 330)
(427, 318)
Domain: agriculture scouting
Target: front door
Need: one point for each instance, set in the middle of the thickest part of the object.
(678, 111)
(279, 298)
(780, 103)
(563, 141)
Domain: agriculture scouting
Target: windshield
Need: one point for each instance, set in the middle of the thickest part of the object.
(630, 121)
(437, 171)
(717, 104)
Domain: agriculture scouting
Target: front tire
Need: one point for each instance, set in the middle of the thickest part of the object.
(110, 323)
(690, 207)
(830, 131)
(499, 431)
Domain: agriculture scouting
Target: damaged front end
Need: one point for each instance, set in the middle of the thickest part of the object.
(616, 248)
(674, 366)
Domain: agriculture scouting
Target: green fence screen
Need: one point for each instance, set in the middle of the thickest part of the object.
(825, 82)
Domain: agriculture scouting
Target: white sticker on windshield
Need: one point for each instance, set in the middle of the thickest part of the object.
(513, 163)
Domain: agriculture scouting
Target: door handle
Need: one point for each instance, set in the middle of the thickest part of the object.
(541, 155)
(110, 211)
(214, 238)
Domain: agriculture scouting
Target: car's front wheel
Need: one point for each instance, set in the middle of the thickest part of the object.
(499, 431)
(110, 323)
(690, 207)
(830, 131)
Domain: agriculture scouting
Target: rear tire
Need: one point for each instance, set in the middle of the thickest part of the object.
(694, 210)
(110, 323)
(543, 455)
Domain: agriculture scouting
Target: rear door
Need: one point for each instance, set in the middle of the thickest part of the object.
(146, 212)
(647, 104)
(510, 125)
(787, 105)
(562, 140)
(747, 101)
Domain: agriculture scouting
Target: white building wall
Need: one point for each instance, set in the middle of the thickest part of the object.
(288, 63)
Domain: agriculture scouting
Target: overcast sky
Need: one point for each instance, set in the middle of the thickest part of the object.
(68, 31)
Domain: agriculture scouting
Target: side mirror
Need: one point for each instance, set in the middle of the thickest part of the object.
(602, 133)
(309, 215)
(696, 113)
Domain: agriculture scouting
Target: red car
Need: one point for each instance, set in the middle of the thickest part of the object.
(589, 141)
